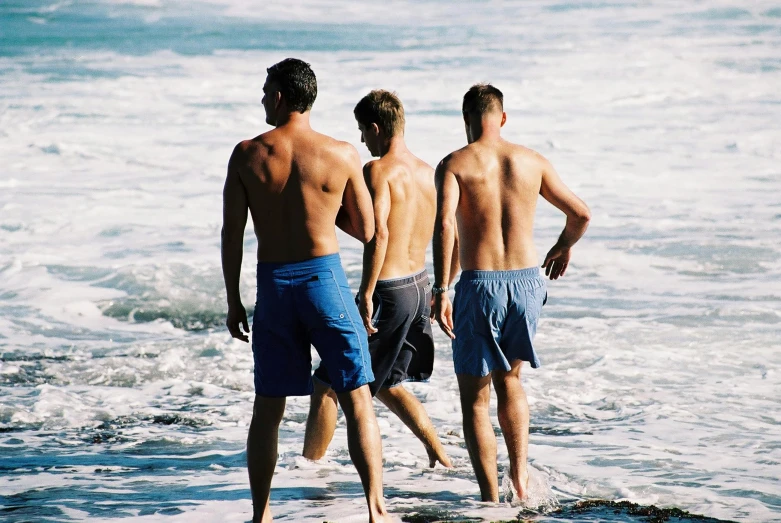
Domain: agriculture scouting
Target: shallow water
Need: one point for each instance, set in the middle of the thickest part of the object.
(121, 394)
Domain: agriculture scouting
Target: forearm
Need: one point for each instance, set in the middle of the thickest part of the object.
(232, 248)
(455, 263)
(344, 223)
(443, 242)
(574, 230)
(373, 259)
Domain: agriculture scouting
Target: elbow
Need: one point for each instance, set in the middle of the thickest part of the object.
(583, 215)
(381, 235)
(229, 237)
(367, 233)
(447, 224)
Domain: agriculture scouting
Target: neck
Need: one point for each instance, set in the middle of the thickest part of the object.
(486, 130)
(486, 127)
(293, 119)
(395, 145)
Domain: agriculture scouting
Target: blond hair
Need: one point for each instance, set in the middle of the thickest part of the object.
(383, 108)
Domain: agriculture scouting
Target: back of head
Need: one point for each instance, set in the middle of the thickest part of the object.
(483, 99)
(297, 83)
(382, 108)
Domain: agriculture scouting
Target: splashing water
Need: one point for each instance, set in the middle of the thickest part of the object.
(539, 499)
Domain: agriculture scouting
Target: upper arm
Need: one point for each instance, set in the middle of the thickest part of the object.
(552, 188)
(448, 192)
(377, 183)
(357, 201)
(234, 196)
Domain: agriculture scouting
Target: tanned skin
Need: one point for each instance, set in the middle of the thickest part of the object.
(297, 184)
(404, 197)
(486, 197)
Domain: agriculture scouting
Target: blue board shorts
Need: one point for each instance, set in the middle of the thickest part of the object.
(495, 317)
(402, 349)
(304, 304)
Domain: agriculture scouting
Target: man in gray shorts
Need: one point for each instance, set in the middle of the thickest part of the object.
(394, 298)
(486, 199)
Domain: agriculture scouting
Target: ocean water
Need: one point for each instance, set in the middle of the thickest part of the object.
(121, 393)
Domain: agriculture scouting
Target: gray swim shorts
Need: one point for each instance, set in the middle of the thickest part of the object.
(495, 317)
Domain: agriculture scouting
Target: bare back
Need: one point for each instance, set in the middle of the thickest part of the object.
(498, 187)
(295, 180)
(411, 210)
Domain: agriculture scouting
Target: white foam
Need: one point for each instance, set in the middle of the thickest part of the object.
(659, 348)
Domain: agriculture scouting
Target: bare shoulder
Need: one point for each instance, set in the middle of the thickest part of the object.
(454, 159)
(460, 161)
(375, 172)
(339, 149)
(258, 148)
(422, 167)
(350, 151)
(529, 157)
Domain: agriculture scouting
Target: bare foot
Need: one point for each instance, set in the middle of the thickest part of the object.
(442, 458)
(522, 486)
(516, 488)
(384, 517)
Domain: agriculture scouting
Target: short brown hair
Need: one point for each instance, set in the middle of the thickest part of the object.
(383, 108)
(482, 98)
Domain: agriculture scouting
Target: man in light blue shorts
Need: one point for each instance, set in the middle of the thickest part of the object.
(496, 315)
(299, 185)
(487, 196)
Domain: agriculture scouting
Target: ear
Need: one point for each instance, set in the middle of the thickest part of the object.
(375, 129)
(504, 119)
(277, 99)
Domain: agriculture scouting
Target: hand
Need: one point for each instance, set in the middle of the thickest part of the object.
(442, 313)
(237, 316)
(556, 261)
(366, 308)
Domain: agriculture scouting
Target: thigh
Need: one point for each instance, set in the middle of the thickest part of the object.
(331, 319)
(280, 347)
(387, 344)
(420, 343)
(521, 323)
(479, 312)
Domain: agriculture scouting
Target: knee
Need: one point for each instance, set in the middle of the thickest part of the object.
(268, 411)
(507, 386)
(322, 398)
(356, 403)
(395, 394)
(475, 409)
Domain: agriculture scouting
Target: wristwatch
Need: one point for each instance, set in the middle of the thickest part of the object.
(439, 290)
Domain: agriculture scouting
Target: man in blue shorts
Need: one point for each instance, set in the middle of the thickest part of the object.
(487, 196)
(298, 184)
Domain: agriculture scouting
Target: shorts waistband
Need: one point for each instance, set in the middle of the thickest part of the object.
(318, 263)
(404, 281)
(520, 274)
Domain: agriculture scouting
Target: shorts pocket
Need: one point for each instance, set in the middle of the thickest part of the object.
(321, 279)
(327, 299)
(535, 299)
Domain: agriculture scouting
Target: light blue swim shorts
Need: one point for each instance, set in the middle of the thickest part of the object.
(495, 317)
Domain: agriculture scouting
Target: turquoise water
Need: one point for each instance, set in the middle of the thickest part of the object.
(121, 394)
